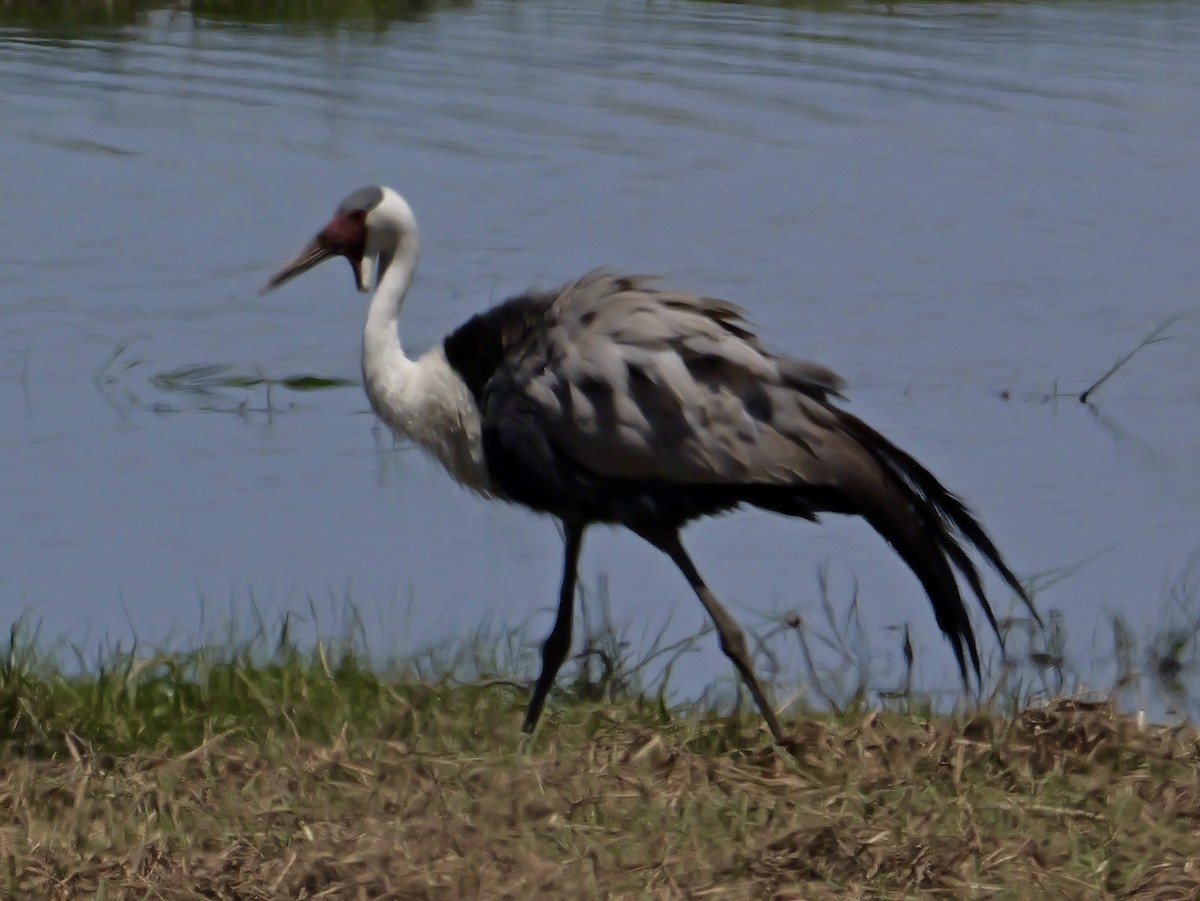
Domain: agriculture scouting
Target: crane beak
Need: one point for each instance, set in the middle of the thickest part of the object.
(309, 257)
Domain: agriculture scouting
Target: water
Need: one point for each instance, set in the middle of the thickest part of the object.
(967, 210)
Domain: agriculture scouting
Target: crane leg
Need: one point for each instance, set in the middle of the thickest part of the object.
(733, 639)
(558, 642)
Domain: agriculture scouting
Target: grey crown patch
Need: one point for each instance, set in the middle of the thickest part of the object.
(363, 199)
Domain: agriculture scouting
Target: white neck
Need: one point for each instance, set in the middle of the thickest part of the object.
(382, 353)
(422, 399)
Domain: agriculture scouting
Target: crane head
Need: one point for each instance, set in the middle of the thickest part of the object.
(349, 234)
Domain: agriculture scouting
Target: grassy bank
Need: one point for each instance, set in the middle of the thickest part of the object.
(293, 774)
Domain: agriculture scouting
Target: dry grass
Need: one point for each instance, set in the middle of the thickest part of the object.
(1069, 801)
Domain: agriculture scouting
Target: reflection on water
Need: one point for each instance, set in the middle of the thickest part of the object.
(968, 210)
(73, 20)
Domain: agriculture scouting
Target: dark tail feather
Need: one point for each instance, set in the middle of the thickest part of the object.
(926, 535)
(954, 512)
(912, 539)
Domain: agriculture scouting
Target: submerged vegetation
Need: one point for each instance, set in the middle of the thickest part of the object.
(1156, 336)
(262, 769)
(205, 387)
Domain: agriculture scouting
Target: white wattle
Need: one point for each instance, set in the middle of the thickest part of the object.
(366, 274)
(424, 400)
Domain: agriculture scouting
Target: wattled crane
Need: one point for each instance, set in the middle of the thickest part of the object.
(615, 400)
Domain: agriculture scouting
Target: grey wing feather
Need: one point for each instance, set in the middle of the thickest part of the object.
(634, 381)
